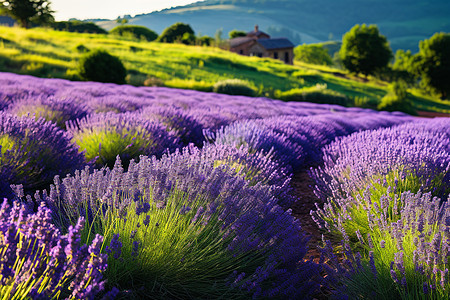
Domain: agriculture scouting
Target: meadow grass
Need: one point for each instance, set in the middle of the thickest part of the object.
(46, 53)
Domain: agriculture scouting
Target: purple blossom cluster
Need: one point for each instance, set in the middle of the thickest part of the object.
(59, 111)
(419, 149)
(295, 141)
(408, 254)
(33, 152)
(106, 136)
(252, 223)
(37, 261)
(180, 122)
(237, 187)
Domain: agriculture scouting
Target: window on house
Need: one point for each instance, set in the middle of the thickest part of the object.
(259, 54)
(275, 55)
(286, 57)
(241, 51)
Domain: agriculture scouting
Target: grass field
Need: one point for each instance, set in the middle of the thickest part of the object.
(46, 53)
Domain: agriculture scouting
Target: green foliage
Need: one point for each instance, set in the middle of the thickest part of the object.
(316, 94)
(234, 87)
(81, 48)
(99, 65)
(175, 33)
(199, 68)
(78, 26)
(26, 12)
(135, 32)
(205, 40)
(433, 63)
(397, 99)
(200, 264)
(364, 50)
(313, 54)
(236, 33)
(188, 38)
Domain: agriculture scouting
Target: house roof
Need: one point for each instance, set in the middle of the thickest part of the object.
(278, 43)
(240, 40)
(257, 33)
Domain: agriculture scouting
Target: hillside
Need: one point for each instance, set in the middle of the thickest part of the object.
(47, 53)
(404, 22)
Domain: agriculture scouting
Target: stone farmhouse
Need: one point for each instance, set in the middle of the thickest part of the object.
(258, 43)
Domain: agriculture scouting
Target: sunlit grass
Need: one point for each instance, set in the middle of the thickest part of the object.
(46, 53)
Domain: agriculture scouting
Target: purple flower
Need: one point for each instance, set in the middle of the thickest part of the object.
(35, 249)
(33, 152)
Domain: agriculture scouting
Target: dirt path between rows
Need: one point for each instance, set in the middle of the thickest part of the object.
(302, 185)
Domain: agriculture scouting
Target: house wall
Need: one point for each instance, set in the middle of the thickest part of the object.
(243, 49)
(258, 50)
(286, 55)
(252, 48)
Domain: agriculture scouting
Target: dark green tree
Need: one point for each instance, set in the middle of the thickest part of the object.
(364, 50)
(27, 12)
(433, 63)
(236, 33)
(175, 33)
(313, 54)
(135, 31)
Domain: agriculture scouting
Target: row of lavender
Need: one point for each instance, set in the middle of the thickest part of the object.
(183, 223)
(385, 194)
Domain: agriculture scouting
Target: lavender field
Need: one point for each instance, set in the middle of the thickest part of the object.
(121, 192)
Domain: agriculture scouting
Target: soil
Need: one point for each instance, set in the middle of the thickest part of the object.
(431, 114)
(303, 185)
(303, 190)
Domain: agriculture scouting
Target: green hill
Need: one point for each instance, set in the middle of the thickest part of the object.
(47, 53)
(404, 22)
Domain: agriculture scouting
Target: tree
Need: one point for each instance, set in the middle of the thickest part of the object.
(403, 67)
(27, 12)
(433, 63)
(236, 33)
(313, 54)
(175, 33)
(364, 50)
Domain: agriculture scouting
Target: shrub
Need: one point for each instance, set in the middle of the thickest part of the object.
(186, 229)
(105, 136)
(234, 87)
(315, 94)
(135, 31)
(175, 33)
(81, 48)
(404, 256)
(33, 152)
(78, 26)
(99, 65)
(313, 54)
(257, 138)
(178, 121)
(397, 99)
(411, 157)
(51, 109)
(38, 262)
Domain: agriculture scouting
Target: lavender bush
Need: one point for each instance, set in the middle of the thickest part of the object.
(50, 108)
(409, 157)
(38, 262)
(419, 149)
(106, 136)
(183, 125)
(404, 256)
(33, 152)
(231, 239)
